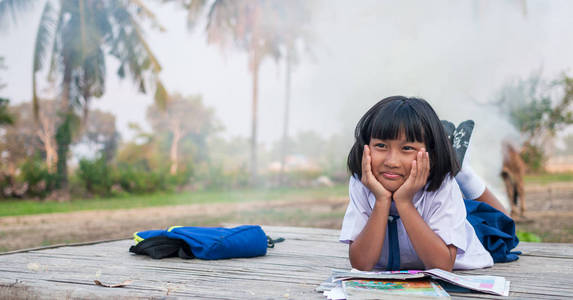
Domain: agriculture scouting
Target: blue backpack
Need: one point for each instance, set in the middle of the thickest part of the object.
(203, 242)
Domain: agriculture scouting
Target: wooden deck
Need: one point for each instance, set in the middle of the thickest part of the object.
(291, 270)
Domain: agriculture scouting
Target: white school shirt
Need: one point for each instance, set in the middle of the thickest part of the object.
(444, 212)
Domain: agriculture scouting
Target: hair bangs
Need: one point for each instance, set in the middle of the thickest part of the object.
(397, 119)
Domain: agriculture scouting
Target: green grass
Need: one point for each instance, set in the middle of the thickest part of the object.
(548, 178)
(31, 207)
(525, 236)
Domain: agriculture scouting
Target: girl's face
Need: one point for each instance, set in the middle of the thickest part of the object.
(392, 160)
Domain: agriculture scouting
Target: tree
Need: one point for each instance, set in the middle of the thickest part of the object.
(2, 67)
(43, 131)
(101, 133)
(20, 141)
(78, 35)
(252, 27)
(183, 118)
(141, 152)
(294, 29)
(5, 117)
(538, 109)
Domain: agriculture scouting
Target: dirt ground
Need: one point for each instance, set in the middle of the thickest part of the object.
(549, 211)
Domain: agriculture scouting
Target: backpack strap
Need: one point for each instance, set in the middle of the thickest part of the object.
(271, 243)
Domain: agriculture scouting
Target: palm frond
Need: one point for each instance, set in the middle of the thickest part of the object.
(140, 39)
(226, 22)
(13, 9)
(55, 62)
(44, 36)
(143, 11)
(161, 95)
(194, 10)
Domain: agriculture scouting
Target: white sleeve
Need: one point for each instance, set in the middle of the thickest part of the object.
(357, 213)
(447, 214)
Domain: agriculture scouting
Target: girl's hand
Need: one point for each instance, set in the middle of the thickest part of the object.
(369, 180)
(417, 179)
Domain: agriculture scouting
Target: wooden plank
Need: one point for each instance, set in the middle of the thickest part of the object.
(546, 249)
(291, 270)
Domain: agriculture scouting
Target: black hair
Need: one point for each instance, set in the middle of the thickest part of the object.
(417, 120)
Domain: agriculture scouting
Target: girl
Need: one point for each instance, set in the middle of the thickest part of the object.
(406, 210)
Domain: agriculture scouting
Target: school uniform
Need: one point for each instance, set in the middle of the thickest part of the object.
(444, 212)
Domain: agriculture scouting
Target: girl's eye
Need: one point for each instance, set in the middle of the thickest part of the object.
(408, 148)
(380, 145)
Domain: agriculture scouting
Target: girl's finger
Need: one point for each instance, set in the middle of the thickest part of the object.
(366, 162)
(364, 157)
(423, 168)
(427, 165)
(414, 171)
(421, 163)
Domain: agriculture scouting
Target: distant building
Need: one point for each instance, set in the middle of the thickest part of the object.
(295, 162)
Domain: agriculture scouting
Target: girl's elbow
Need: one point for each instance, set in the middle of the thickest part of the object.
(359, 262)
(358, 259)
(445, 261)
(361, 265)
(446, 266)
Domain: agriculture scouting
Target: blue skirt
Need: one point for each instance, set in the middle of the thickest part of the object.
(495, 230)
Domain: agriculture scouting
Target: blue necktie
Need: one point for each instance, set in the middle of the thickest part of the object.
(394, 245)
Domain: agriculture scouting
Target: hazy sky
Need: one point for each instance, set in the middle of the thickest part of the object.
(456, 54)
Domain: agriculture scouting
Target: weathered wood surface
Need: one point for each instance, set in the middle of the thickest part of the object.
(291, 270)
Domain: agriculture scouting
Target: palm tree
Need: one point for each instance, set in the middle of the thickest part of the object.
(294, 31)
(75, 37)
(251, 25)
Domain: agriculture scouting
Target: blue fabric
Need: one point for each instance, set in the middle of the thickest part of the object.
(494, 229)
(217, 242)
(394, 244)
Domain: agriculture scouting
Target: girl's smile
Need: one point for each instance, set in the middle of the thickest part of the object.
(392, 160)
(391, 176)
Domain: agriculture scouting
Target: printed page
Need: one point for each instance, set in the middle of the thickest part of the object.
(390, 289)
(396, 275)
(488, 284)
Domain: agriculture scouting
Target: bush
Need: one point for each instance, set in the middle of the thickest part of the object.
(99, 178)
(533, 157)
(184, 174)
(95, 176)
(217, 177)
(137, 179)
(525, 236)
(40, 181)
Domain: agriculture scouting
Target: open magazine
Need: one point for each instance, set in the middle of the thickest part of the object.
(393, 289)
(495, 285)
